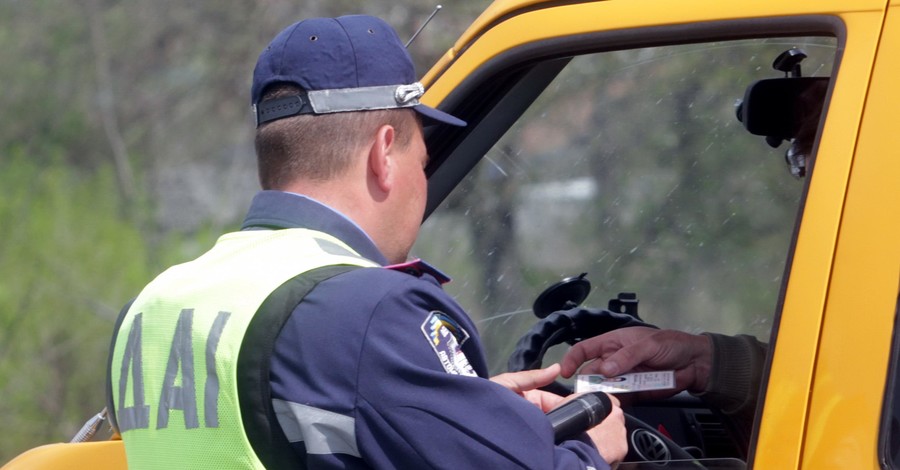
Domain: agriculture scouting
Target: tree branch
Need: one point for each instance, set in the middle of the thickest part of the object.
(107, 104)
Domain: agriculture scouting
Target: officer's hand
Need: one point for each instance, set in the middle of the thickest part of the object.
(640, 348)
(609, 436)
(526, 382)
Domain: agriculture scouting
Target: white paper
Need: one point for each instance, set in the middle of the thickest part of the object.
(636, 382)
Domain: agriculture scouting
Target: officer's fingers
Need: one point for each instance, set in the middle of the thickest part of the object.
(525, 380)
(546, 401)
(610, 436)
(612, 398)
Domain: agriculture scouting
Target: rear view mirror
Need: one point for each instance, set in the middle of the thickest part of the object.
(782, 108)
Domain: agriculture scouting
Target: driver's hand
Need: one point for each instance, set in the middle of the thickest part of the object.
(610, 436)
(640, 349)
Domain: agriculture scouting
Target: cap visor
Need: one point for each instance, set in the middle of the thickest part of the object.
(433, 116)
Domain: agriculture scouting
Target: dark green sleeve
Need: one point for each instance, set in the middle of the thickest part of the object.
(734, 380)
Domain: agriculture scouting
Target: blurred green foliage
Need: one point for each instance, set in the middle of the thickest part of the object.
(69, 260)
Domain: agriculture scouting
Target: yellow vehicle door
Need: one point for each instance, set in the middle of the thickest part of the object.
(846, 408)
(834, 262)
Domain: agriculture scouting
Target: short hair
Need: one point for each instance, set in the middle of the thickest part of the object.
(320, 147)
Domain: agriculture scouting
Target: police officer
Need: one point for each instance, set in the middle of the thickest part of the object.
(306, 338)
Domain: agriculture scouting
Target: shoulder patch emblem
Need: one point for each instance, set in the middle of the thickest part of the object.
(446, 338)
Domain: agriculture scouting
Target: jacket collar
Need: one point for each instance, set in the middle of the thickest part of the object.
(273, 210)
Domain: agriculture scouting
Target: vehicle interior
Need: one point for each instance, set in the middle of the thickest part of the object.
(658, 174)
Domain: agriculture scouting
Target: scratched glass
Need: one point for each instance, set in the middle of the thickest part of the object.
(630, 167)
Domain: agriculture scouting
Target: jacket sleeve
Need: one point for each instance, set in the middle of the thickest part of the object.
(735, 379)
(414, 413)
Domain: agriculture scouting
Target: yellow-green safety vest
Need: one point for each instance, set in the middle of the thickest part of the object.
(174, 364)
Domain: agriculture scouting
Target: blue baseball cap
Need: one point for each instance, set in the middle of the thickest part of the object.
(349, 63)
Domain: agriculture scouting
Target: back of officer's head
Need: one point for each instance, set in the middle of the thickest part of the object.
(320, 147)
(322, 88)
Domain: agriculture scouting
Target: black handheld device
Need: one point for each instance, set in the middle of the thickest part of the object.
(579, 415)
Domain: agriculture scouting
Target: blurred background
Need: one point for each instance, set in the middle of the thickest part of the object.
(126, 146)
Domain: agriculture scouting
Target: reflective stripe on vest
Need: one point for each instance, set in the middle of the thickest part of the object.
(174, 364)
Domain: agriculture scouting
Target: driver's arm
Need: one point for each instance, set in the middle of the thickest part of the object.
(725, 371)
(734, 380)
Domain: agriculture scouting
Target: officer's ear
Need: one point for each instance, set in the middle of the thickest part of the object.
(382, 161)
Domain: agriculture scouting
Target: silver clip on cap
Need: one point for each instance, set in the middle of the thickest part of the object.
(349, 99)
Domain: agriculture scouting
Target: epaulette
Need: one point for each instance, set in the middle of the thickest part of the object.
(417, 268)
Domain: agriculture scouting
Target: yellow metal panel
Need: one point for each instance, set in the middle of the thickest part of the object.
(104, 455)
(782, 426)
(548, 22)
(853, 356)
(669, 11)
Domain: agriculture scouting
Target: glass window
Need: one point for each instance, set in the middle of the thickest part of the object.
(632, 167)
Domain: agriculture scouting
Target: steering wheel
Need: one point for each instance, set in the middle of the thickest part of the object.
(563, 321)
(645, 443)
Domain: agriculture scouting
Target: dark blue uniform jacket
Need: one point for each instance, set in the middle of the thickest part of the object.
(359, 368)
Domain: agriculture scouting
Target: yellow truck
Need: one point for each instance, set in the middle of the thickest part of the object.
(735, 164)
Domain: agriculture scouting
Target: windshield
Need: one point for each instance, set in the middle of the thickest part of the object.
(633, 168)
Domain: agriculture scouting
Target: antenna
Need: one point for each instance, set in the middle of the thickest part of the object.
(416, 34)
